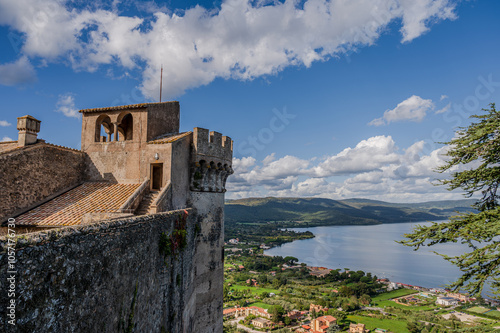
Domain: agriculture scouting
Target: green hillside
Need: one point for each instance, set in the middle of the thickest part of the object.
(317, 211)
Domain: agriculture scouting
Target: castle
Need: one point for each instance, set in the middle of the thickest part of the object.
(125, 234)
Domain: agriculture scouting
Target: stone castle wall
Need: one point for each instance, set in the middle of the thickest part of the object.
(207, 300)
(112, 277)
(33, 173)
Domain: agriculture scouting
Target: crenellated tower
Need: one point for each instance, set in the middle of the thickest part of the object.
(212, 156)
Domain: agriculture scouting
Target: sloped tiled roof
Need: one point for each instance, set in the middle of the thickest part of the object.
(8, 146)
(69, 208)
(12, 146)
(124, 107)
(169, 138)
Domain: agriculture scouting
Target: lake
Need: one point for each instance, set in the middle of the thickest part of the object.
(372, 248)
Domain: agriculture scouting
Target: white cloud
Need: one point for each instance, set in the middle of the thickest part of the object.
(66, 105)
(445, 109)
(18, 72)
(241, 40)
(418, 14)
(6, 138)
(413, 108)
(4, 123)
(368, 155)
(443, 97)
(375, 168)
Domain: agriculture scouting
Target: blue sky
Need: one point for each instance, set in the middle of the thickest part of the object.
(334, 99)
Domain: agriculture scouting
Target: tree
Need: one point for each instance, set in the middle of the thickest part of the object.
(277, 313)
(365, 299)
(333, 328)
(477, 147)
(413, 327)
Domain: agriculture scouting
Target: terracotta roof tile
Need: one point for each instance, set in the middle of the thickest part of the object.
(123, 107)
(169, 138)
(69, 208)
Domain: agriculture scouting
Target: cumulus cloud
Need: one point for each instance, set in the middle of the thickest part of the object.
(445, 109)
(6, 138)
(418, 14)
(66, 105)
(18, 72)
(4, 123)
(242, 39)
(413, 108)
(370, 154)
(375, 168)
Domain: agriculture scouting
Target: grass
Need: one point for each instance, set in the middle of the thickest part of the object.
(394, 294)
(494, 313)
(478, 309)
(382, 300)
(400, 306)
(262, 305)
(255, 290)
(393, 325)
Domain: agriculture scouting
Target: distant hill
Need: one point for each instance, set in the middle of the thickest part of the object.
(317, 211)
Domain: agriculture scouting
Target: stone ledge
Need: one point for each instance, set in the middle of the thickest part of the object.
(37, 238)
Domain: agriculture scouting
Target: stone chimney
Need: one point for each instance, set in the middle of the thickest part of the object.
(28, 128)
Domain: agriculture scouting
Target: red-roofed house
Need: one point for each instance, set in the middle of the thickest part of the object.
(322, 323)
(294, 315)
(229, 313)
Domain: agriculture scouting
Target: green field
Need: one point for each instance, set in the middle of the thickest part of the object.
(255, 290)
(393, 294)
(393, 304)
(261, 305)
(396, 326)
(494, 313)
(382, 300)
(478, 309)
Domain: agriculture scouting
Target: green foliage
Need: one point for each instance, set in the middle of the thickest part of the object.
(477, 147)
(165, 245)
(130, 325)
(277, 313)
(177, 240)
(333, 328)
(291, 260)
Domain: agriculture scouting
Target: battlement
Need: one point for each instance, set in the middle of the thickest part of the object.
(210, 146)
(212, 158)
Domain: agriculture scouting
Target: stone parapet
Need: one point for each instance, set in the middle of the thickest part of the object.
(211, 161)
(106, 276)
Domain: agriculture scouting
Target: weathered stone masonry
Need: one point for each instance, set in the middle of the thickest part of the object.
(139, 272)
(33, 173)
(84, 279)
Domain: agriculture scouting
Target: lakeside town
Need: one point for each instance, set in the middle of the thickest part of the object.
(274, 294)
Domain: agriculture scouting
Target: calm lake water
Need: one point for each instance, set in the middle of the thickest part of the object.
(373, 249)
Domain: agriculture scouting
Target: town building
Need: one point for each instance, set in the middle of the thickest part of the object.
(261, 322)
(317, 308)
(357, 328)
(447, 301)
(322, 323)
